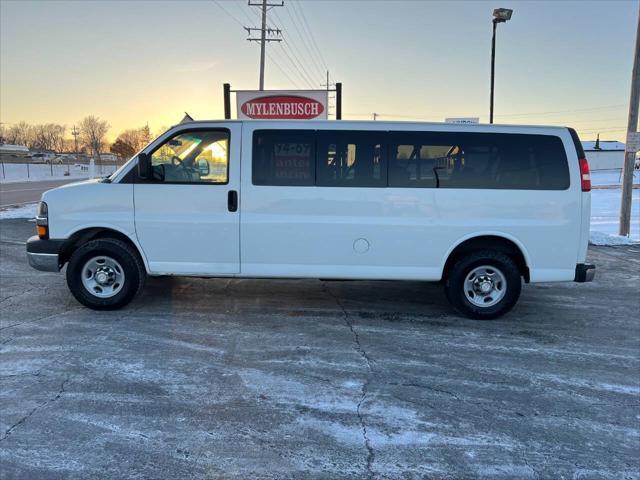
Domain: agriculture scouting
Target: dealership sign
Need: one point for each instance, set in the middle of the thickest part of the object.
(282, 105)
(462, 120)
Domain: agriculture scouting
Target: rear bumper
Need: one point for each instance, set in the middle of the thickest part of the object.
(585, 272)
(44, 254)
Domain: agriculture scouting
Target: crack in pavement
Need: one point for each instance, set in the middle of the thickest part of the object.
(45, 317)
(365, 386)
(523, 453)
(19, 294)
(35, 409)
(446, 392)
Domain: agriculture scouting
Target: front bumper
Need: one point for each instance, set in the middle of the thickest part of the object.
(585, 272)
(44, 255)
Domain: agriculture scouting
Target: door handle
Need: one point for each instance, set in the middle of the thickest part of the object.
(232, 201)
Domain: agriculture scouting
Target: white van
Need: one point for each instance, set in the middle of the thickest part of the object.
(478, 207)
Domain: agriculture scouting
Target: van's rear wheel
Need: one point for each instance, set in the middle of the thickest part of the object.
(105, 274)
(484, 284)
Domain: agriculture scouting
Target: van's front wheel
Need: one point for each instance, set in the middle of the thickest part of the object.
(484, 284)
(105, 274)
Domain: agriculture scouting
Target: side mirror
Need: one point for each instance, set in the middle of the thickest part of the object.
(144, 166)
(203, 167)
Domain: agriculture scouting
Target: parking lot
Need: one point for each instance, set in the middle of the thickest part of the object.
(252, 379)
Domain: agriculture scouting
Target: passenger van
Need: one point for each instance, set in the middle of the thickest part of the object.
(480, 208)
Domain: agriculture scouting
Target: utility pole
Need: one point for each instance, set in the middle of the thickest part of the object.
(328, 86)
(264, 31)
(75, 132)
(631, 144)
(375, 116)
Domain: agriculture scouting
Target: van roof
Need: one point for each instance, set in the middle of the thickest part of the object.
(376, 122)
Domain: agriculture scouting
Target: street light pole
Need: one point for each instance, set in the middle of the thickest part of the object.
(500, 15)
(493, 68)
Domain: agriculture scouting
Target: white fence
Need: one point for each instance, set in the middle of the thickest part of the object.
(24, 172)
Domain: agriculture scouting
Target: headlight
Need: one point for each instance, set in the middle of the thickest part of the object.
(42, 220)
(43, 210)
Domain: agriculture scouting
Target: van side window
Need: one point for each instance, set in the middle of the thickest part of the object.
(478, 160)
(283, 157)
(199, 156)
(351, 159)
(416, 160)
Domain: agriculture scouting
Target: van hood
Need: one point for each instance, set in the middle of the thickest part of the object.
(71, 189)
(79, 182)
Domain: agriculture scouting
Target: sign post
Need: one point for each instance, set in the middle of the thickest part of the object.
(282, 104)
(226, 88)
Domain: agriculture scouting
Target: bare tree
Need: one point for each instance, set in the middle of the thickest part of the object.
(55, 134)
(20, 134)
(92, 134)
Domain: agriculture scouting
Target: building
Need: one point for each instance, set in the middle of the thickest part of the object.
(604, 154)
(10, 148)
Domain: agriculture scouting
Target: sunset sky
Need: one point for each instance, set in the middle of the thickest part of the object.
(149, 61)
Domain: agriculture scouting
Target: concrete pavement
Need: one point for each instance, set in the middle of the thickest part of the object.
(26, 192)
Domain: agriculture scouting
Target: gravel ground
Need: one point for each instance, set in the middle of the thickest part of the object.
(309, 379)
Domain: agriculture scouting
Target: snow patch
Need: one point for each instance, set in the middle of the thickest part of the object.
(24, 211)
(28, 172)
(601, 238)
(605, 212)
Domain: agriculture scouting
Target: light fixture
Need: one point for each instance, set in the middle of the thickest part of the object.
(502, 14)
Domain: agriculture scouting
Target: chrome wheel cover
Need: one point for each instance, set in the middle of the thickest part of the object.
(102, 276)
(485, 286)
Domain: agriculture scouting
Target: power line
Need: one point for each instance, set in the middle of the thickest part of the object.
(282, 70)
(311, 35)
(239, 22)
(273, 33)
(233, 17)
(561, 111)
(247, 16)
(295, 67)
(273, 30)
(306, 40)
(308, 77)
(302, 40)
(607, 129)
(290, 45)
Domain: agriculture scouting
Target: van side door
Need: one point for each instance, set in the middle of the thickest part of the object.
(187, 215)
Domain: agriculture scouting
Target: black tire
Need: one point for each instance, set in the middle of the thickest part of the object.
(455, 284)
(125, 255)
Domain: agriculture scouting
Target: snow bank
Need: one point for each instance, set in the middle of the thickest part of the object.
(611, 177)
(600, 238)
(23, 172)
(25, 211)
(605, 212)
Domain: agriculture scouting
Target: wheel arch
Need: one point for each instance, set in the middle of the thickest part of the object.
(84, 235)
(492, 241)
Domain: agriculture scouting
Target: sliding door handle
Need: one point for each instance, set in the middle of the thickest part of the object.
(232, 201)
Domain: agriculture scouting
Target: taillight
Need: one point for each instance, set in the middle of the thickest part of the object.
(585, 176)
